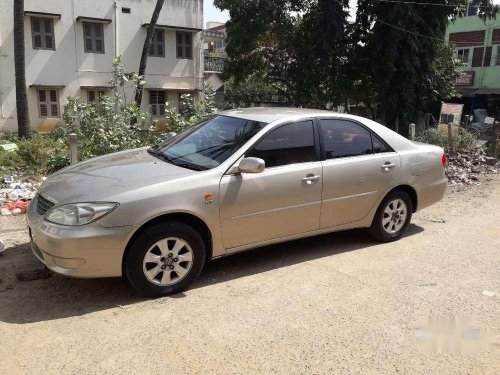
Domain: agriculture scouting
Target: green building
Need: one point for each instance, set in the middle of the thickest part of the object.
(477, 45)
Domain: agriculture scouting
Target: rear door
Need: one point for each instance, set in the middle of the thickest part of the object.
(357, 169)
(283, 200)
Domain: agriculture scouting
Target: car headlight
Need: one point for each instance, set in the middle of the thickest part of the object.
(79, 213)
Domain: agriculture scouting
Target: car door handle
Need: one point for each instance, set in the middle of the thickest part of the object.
(387, 166)
(311, 179)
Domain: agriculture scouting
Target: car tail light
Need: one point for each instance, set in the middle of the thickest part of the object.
(443, 160)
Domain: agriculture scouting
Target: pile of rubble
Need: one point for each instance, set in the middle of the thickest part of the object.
(464, 168)
(16, 195)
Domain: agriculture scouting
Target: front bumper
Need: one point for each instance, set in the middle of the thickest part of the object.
(86, 251)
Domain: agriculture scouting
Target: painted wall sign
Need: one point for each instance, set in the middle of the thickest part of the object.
(466, 79)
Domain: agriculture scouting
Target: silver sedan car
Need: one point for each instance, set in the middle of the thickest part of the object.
(241, 179)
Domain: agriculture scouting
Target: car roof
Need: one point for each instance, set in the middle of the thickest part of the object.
(272, 114)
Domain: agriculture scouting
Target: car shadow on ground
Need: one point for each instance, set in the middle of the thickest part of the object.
(56, 297)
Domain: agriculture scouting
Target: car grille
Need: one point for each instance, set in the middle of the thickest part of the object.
(43, 205)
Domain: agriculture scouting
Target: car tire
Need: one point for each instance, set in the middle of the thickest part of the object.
(388, 223)
(174, 251)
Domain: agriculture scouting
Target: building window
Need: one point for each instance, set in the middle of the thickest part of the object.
(463, 55)
(498, 56)
(93, 37)
(48, 103)
(477, 57)
(487, 56)
(157, 99)
(94, 96)
(184, 45)
(158, 44)
(42, 31)
(472, 10)
(468, 38)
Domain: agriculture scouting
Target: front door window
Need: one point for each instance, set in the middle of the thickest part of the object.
(289, 144)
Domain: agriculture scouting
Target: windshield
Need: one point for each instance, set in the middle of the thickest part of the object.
(208, 144)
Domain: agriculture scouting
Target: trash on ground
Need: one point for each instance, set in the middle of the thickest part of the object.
(16, 207)
(9, 147)
(442, 221)
(464, 168)
(17, 194)
(487, 293)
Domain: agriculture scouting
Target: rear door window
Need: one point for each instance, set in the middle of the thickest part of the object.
(379, 146)
(342, 138)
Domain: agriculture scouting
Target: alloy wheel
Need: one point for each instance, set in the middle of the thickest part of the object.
(168, 261)
(394, 217)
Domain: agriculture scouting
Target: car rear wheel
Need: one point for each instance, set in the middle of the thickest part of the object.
(165, 259)
(392, 217)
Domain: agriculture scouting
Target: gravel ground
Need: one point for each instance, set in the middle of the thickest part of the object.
(337, 303)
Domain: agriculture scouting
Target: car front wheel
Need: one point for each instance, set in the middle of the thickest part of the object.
(392, 217)
(165, 259)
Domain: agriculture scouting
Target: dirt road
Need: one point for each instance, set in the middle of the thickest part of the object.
(338, 303)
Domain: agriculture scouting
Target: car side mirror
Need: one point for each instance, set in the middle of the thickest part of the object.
(252, 165)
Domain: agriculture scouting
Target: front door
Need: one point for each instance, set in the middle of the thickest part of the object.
(358, 169)
(283, 200)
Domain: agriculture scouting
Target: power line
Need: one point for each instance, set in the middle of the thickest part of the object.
(409, 32)
(397, 27)
(435, 4)
(400, 28)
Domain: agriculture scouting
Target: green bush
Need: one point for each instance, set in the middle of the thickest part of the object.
(461, 140)
(114, 124)
(102, 130)
(10, 162)
(37, 152)
(191, 112)
(39, 155)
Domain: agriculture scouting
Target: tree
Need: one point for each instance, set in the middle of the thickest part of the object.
(295, 45)
(405, 39)
(392, 58)
(23, 120)
(145, 50)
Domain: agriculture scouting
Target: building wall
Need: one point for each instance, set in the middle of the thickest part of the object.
(69, 68)
(482, 39)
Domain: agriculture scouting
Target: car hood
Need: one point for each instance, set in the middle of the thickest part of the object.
(101, 178)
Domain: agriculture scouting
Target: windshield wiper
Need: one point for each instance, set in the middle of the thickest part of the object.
(159, 155)
(203, 150)
(194, 167)
(154, 152)
(182, 163)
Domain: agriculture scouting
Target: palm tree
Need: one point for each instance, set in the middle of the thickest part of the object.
(146, 48)
(23, 119)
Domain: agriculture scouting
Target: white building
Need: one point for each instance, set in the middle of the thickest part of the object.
(70, 46)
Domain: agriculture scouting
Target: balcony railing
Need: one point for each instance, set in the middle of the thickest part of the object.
(214, 64)
(213, 34)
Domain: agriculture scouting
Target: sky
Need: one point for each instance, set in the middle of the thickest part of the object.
(211, 13)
